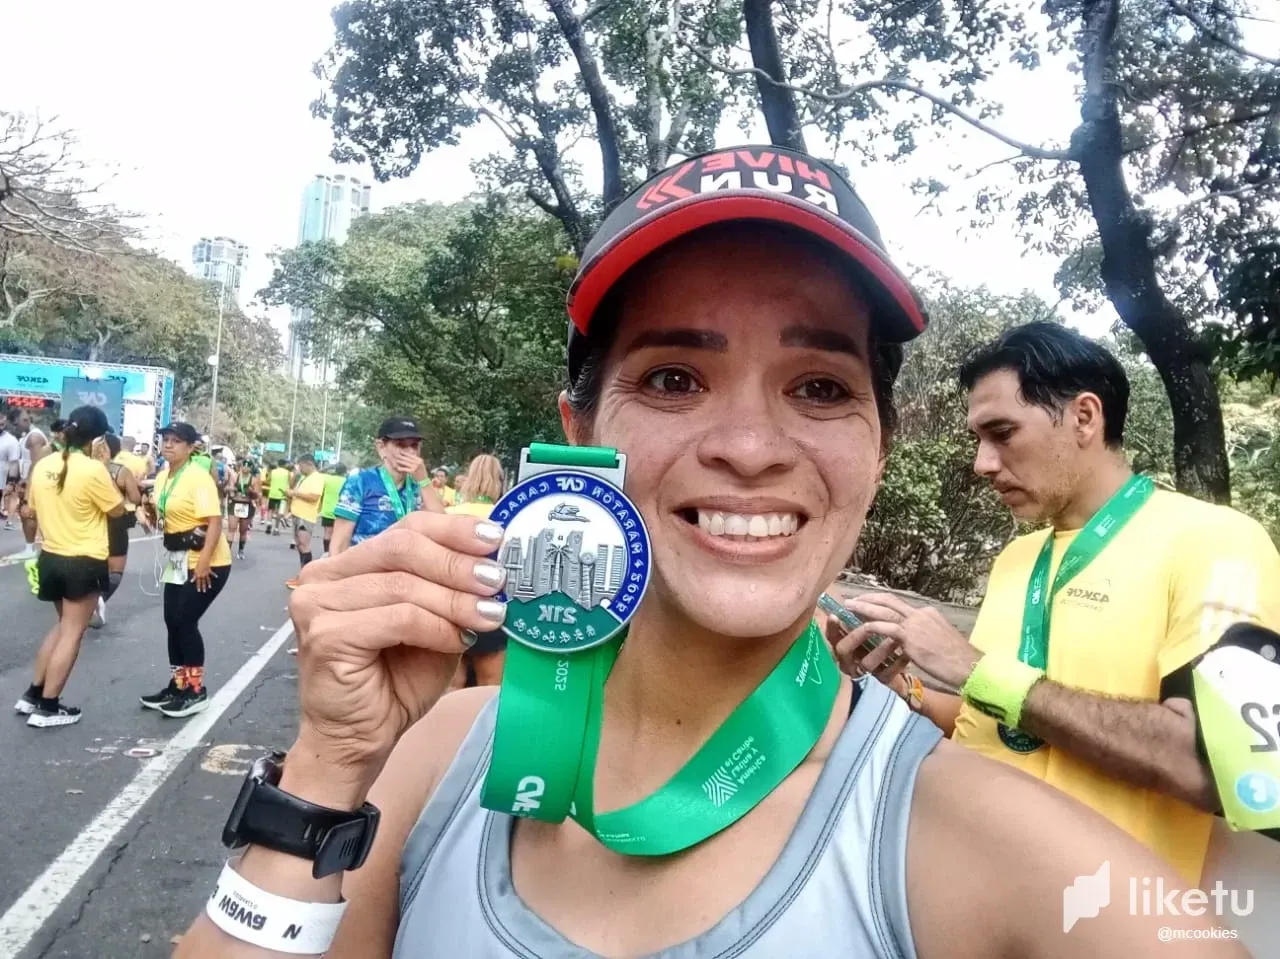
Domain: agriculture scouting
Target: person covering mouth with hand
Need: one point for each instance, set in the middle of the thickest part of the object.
(735, 333)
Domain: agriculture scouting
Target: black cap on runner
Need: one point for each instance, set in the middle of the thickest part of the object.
(183, 431)
(743, 183)
(399, 428)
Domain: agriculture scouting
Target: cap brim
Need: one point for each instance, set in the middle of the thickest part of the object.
(401, 435)
(898, 315)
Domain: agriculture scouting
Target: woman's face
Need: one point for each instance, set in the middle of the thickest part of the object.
(739, 387)
(173, 448)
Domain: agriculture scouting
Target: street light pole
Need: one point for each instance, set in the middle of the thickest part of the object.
(217, 354)
(293, 416)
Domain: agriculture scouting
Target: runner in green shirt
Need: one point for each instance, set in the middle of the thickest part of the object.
(277, 485)
(333, 480)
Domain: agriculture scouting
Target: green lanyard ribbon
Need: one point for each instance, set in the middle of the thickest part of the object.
(761, 743)
(551, 710)
(1033, 648)
(402, 503)
(168, 488)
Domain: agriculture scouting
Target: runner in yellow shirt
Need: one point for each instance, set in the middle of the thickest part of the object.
(1086, 637)
(189, 512)
(72, 496)
(440, 483)
(304, 504)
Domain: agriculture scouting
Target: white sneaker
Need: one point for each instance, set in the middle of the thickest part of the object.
(99, 617)
(28, 552)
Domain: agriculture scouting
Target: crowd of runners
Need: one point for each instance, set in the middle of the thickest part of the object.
(781, 773)
(79, 491)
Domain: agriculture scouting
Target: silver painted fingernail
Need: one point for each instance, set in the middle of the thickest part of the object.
(489, 533)
(469, 638)
(492, 610)
(490, 574)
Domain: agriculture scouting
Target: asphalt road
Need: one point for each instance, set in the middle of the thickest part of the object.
(103, 854)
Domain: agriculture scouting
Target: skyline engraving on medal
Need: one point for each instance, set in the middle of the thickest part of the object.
(576, 555)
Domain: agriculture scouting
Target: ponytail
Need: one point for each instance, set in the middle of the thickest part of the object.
(83, 426)
(62, 477)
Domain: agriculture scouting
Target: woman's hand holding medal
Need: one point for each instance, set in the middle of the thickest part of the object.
(380, 628)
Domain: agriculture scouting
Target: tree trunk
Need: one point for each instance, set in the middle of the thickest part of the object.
(606, 127)
(777, 104)
(1129, 273)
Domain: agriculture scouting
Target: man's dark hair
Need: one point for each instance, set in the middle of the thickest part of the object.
(113, 444)
(1054, 365)
(306, 458)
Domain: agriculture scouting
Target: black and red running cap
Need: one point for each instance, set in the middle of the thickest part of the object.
(743, 183)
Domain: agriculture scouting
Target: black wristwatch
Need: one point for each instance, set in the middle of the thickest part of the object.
(264, 815)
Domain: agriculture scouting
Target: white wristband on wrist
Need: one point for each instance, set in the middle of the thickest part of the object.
(260, 918)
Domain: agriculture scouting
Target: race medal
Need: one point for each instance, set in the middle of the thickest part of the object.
(1017, 740)
(576, 554)
(1237, 700)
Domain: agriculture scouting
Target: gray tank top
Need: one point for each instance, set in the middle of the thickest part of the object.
(837, 891)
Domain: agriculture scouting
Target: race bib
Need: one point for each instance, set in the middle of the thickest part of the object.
(175, 569)
(1237, 697)
(242, 510)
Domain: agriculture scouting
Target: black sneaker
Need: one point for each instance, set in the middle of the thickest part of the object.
(156, 700)
(62, 715)
(186, 702)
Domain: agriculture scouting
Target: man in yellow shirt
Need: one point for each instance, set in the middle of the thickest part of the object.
(304, 504)
(440, 483)
(1086, 637)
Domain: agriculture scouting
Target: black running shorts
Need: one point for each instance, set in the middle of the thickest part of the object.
(275, 504)
(70, 577)
(118, 535)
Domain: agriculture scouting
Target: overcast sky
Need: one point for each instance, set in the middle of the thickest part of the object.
(202, 112)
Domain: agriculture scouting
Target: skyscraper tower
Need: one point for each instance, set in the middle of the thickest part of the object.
(617, 569)
(514, 562)
(329, 206)
(221, 260)
(572, 585)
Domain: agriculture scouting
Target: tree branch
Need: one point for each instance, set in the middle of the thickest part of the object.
(1216, 37)
(543, 203)
(597, 8)
(1026, 149)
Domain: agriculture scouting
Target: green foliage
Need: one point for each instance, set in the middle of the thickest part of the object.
(452, 314)
(935, 525)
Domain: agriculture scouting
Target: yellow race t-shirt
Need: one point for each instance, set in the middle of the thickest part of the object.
(191, 501)
(1161, 593)
(314, 485)
(74, 521)
(137, 465)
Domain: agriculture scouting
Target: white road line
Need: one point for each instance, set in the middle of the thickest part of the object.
(25, 918)
(14, 558)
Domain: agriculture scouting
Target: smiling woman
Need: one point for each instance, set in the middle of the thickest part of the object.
(735, 331)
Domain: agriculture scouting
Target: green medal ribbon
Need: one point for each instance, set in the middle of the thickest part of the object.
(550, 712)
(168, 488)
(756, 748)
(402, 503)
(1033, 649)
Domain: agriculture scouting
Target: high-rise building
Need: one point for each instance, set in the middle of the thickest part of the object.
(221, 260)
(617, 568)
(329, 206)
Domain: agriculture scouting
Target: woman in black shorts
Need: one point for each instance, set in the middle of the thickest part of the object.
(72, 496)
(106, 450)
